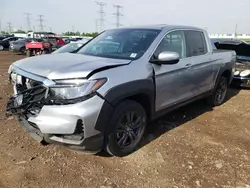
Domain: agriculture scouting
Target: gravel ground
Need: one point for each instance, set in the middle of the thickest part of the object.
(195, 146)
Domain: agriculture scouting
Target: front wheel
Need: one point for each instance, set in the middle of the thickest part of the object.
(126, 128)
(1, 47)
(219, 93)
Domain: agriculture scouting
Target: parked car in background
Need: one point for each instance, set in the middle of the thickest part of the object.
(56, 42)
(5, 43)
(241, 76)
(49, 42)
(19, 45)
(66, 39)
(5, 36)
(102, 98)
(71, 47)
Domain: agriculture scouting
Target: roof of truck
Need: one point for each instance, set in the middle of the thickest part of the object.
(160, 27)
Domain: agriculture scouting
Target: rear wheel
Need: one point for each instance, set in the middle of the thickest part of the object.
(126, 129)
(22, 50)
(219, 93)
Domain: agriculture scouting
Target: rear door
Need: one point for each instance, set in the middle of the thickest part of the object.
(173, 83)
(201, 67)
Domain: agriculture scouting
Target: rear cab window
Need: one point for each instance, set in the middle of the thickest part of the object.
(196, 43)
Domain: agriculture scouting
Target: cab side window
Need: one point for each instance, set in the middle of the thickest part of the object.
(174, 42)
(196, 43)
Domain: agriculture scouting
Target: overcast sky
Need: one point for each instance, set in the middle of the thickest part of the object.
(217, 16)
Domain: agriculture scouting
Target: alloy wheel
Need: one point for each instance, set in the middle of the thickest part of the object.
(221, 91)
(129, 130)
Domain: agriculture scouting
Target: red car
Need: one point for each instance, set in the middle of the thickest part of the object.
(44, 43)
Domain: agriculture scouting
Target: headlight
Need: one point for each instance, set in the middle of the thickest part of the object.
(245, 73)
(76, 88)
(236, 73)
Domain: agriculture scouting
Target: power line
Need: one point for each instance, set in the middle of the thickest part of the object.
(9, 26)
(28, 21)
(41, 20)
(101, 14)
(118, 15)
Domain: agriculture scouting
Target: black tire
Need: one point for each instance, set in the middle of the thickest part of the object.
(123, 136)
(28, 53)
(23, 50)
(219, 94)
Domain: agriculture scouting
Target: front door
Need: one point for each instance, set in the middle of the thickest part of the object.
(173, 83)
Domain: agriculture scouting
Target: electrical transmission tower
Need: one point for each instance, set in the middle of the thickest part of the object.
(9, 26)
(28, 21)
(118, 15)
(41, 20)
(101, 14)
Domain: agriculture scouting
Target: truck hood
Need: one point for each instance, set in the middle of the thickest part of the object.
(67, 65)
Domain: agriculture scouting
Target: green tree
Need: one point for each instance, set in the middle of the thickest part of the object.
(4, 33)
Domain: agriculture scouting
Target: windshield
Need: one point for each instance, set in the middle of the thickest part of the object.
(71, 47)
(121, 43)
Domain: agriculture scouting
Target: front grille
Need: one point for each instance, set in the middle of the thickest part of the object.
(33, 97)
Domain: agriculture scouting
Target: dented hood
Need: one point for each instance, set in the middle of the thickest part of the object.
(67, 65)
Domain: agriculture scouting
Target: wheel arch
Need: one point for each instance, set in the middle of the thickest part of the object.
(227, 74)
(141, 91)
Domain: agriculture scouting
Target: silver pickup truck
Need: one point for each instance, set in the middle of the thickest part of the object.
(102, 97)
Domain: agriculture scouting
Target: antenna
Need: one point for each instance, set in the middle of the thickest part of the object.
(118, 15)
(41, 20)
(28, 21)
(101, 13)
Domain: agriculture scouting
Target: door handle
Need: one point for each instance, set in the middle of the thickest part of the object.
(188, 65)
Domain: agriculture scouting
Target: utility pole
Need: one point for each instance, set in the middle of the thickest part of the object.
(9, 26)
(235, 32)
(118, 15)
(41, 20)
(101, 14)
(73, 29)
(96, 26)
(28, 21)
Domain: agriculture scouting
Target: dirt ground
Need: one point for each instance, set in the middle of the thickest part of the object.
(195, 146)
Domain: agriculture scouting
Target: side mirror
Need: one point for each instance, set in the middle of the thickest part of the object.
(166, 58)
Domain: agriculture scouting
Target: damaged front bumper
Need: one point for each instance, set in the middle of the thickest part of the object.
(71, 125)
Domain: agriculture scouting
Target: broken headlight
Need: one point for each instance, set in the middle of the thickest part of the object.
(75, 88)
